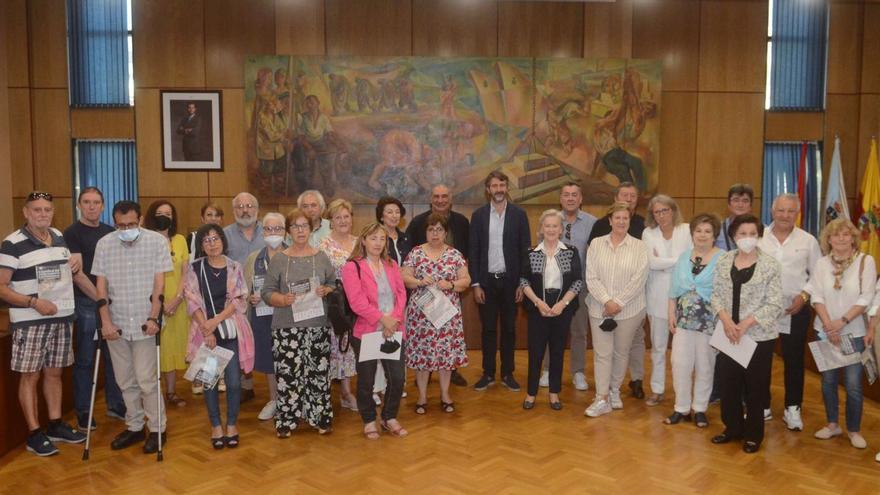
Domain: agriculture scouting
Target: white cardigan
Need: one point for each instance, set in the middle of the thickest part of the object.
(662, 263)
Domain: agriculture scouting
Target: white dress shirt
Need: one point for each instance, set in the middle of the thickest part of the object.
(797, 254)
(662, 263)
(552, 274)
(496, 239)
(616, 273)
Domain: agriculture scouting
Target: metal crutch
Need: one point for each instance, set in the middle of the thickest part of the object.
(161, 319)
(100, 338)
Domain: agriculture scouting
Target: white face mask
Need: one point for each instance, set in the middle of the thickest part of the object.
(747, 244)
(273, 241)
(129, 235)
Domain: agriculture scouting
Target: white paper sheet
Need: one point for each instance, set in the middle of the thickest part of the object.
(307, 304)
(438, 309)
(261, 309)
(829, 357)
(741, 352)
(370, 344)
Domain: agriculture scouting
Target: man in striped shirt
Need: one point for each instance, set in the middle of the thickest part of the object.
(36, 279)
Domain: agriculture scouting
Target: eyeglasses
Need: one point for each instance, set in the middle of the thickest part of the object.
(300, 226)
(126, 226)
(247, 206)
(210, 240)
(275, 230)
(698, 265)
(436, 230)
(662, 211)
(38, 195)
(568, 232)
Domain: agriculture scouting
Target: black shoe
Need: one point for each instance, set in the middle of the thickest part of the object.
(63, 432)
(528, 404)
(232, 442)
(82, 419)
(484, 382)
(40, 445)
(701, 420)
(510, 383)
(636, 387)
(750, 447)
(457, 379)
(218, 443)
(556, 406)
(126, 439)
(724, 437)
(246, 395)
(151, 446)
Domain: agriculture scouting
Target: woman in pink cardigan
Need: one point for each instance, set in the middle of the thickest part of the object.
(375, 290)
(216, 298)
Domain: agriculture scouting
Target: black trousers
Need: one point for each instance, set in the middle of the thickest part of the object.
(394, 375)
(500, 300)
(753, 383)
(793, 348)
(547, 332)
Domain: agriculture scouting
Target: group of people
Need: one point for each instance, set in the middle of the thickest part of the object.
(243, 287)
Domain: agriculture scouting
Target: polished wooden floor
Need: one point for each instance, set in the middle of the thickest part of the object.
(490, 445)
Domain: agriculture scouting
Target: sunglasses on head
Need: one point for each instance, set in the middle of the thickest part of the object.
(38, 195)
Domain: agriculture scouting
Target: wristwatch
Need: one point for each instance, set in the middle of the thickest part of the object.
(845, 319)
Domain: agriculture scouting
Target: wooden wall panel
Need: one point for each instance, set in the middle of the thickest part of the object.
(794, 126)
(730, 142)
(608, 29)
(52, 150)
(842, 119)
(169, 43)
(448, 29)
(21, 150)
(152, 181)
(97, 123)
(678, 140)
(369, 27)
(871, 49)
(540, 29)
(686, 206)
(869, 126)
(669, 31)
(845, 48)
(234, 30)
(718, 205)
(233, 179)
(48, 43)
(6, 184)
(299, 27)
(733, 46)
(16, 38)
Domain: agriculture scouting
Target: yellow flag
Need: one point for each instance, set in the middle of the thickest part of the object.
(868, 205)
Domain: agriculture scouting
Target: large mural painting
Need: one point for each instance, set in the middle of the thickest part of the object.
(366, 127)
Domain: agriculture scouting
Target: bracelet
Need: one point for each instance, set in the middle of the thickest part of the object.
(845, 319)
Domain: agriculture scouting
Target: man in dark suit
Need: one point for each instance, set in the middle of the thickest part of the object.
(499, 241)
(456, 235)
(189, 128)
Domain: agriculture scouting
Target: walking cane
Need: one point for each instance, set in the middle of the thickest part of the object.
(161, 318)
(100, 338)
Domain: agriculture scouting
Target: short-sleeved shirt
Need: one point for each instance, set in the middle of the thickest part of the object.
(238, 246)
(23, 254)
(82, 239)
(129, 269)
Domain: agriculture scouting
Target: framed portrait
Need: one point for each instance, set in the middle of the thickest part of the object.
(191, 130)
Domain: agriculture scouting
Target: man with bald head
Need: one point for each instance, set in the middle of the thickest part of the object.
(797, 251)
(245, 235)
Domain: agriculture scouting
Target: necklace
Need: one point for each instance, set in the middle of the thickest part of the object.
(42, 238)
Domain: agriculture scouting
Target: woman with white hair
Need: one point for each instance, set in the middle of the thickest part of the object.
(551, 280)
(666, 237)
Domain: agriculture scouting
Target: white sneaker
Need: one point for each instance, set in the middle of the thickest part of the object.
(616, 402)
(792, 418)
(545, 379)
(857, 440)
(597, 408)
(268, 411)
(580, 381)
(768, 414)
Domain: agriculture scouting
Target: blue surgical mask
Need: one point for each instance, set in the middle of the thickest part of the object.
(129, 235)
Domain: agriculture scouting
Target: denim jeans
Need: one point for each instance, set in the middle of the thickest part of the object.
(232, 375)
(84, 352)
(853, 382)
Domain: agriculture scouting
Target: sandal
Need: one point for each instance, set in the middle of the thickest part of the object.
(282, 432)
(422, 408)
(218, 443)
(173, 398)
(370, 431)
(399, 432)
(231, 442)
(701, 420)
(447, 407)
(677, 417)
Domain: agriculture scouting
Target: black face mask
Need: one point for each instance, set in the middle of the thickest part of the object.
(608, 325)
(162, 222)
(389, 346)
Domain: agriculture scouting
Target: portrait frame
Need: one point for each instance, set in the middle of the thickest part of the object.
(191, 141)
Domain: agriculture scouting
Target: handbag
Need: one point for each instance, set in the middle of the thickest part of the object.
(340, 314)
(227, 329)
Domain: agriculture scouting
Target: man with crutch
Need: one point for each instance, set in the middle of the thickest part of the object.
(130, 267)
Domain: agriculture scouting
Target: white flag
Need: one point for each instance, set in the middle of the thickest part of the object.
(835, 199)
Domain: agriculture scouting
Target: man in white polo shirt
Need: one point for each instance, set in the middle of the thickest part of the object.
(36, 279)
(797, 251)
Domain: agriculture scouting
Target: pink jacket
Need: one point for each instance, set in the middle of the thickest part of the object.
(236, 293)
(363, 295)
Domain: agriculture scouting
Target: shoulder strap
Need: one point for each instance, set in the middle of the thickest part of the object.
(861, 270)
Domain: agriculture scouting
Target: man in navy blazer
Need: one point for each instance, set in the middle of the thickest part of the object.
(499, 240)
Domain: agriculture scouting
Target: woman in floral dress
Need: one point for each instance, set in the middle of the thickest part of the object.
(439, 266)
(338, 246)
